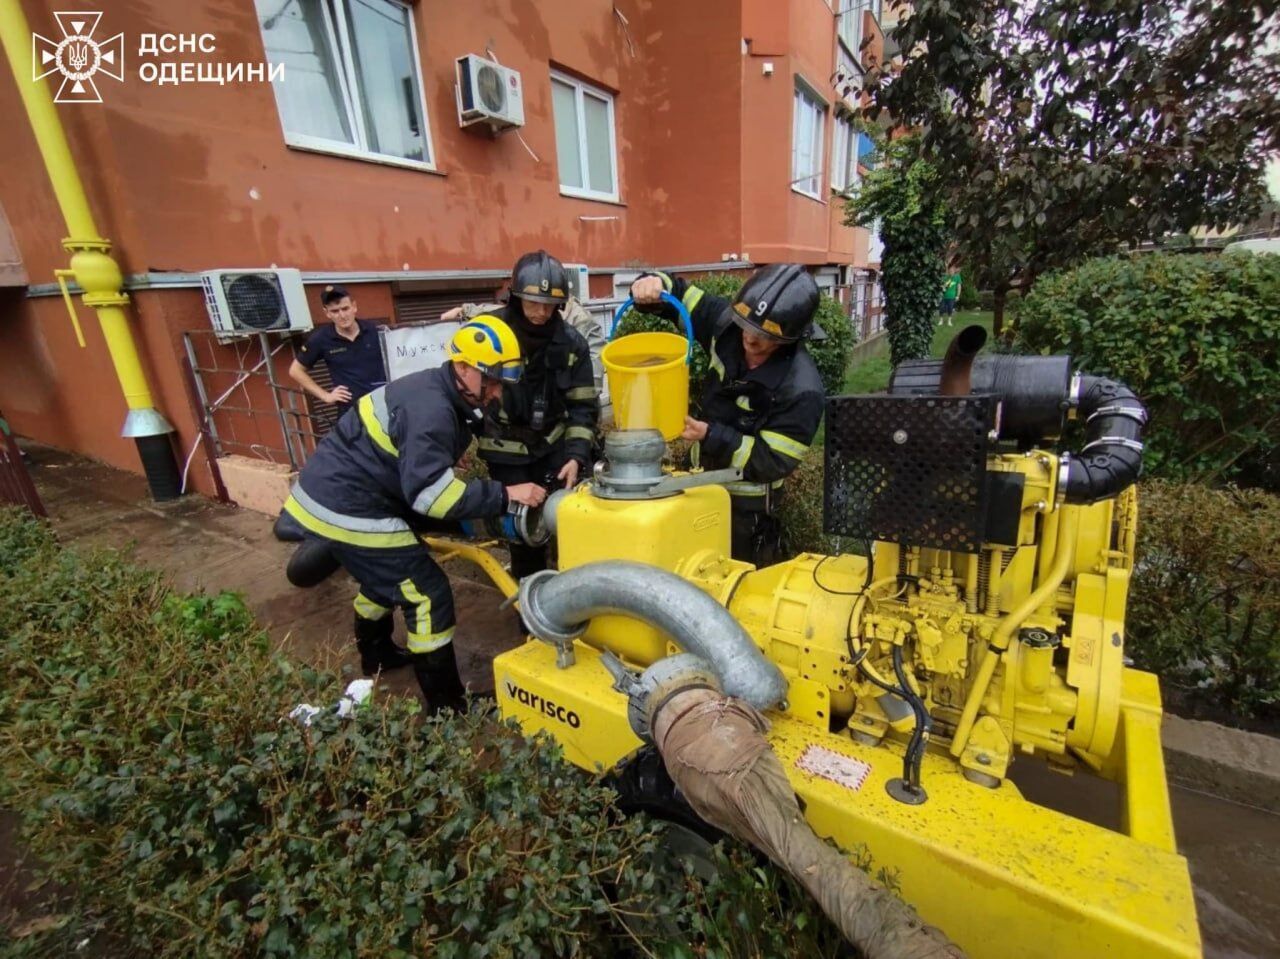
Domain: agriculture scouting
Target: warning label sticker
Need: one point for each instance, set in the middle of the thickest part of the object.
(841, 770)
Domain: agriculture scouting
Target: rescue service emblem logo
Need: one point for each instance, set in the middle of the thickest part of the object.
(541, 705)
(78, 57)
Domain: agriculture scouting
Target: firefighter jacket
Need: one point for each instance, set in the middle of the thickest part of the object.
(554, 402)
(389, 462)
(573, 313)
(761, 421)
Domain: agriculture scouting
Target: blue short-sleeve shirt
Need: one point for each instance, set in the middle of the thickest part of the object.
(355, 364)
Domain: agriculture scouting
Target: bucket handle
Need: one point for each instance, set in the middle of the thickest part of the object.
(680, 308)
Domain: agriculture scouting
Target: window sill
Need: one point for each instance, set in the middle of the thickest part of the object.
(353, 154)
(593, 197)
(809, 196)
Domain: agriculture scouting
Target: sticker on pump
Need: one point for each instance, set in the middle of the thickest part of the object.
(839, 769)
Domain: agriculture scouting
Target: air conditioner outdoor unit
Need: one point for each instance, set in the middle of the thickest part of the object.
(244, 302)
(579, 287)
(488, 93)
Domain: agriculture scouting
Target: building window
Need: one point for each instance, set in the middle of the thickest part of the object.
(866, 151)
(585, 142)
(849, 25)
(806, 143)
(844, 155)
(352, 82)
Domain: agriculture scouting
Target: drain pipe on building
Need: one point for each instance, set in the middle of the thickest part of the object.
(92, 267)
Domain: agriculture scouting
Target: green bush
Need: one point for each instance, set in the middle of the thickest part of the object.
(1196, 336)
(144, 740)
(831, 355)
(1204, 606)
(986, 301)
(801, 509)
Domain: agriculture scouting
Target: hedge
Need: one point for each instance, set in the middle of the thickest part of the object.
(144, 741)
(1204, 607)
(1196, 336)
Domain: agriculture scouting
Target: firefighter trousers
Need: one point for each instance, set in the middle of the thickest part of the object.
(409, 579)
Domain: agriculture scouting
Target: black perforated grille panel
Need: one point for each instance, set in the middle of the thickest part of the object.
(908, 469)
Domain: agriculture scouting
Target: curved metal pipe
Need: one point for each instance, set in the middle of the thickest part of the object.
(1069, 527)
(957, 365)
(558, 606)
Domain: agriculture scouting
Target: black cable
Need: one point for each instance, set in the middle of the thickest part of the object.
(845, 592)
(914, 756)
(924, 725)
(893, 691)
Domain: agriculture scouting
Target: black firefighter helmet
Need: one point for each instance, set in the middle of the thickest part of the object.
(540, 278)
(777, 303)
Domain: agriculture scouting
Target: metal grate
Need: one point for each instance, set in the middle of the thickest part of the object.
(908, 469)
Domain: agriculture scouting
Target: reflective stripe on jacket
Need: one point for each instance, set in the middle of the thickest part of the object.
(559, 385)
(392, 457)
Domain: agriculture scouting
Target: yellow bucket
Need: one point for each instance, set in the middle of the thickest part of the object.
(648, 382)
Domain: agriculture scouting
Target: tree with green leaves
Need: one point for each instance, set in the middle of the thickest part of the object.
(1062, 130)
(901, 196)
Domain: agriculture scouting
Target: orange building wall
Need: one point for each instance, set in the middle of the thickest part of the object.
(198, 176)
(799, 39)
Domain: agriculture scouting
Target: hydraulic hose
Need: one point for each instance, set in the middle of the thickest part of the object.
(558, 606)
(1111, 458)
(923, 727)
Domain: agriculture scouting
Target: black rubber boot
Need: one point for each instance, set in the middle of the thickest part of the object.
(287, 529)
(312, 563)
(437, 673)
(378, 651)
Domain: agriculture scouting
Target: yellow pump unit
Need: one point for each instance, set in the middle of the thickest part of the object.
(978, 621)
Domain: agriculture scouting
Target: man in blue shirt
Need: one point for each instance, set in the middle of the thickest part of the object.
(350, 348)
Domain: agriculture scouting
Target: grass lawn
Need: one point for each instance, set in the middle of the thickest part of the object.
(872, 375)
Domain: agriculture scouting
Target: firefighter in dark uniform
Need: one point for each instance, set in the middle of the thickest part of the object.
(545, 429)
(385, 471)
(763, 398)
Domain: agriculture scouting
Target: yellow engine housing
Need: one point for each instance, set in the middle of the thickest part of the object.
(1002, 876)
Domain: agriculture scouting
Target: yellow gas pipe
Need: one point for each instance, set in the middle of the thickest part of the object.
(92, 267)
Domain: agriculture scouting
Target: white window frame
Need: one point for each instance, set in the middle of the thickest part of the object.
(340, 48)
(844, 155)
(581, 88)
(849, 26)
(803, 91)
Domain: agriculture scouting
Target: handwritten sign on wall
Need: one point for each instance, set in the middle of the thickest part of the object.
(410, 347)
